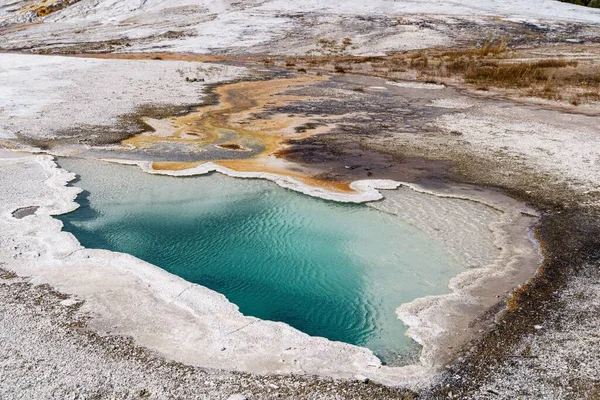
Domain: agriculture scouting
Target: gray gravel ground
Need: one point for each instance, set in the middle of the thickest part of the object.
(561, 358)
(547, 346)
(46, 352)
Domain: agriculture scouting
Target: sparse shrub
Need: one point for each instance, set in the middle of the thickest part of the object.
(420, 62)
(42, 11)
(494, 47)
(575, 100)
(555, 64)
(506, 75)
(588, 3)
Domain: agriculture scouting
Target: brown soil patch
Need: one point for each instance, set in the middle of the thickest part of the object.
(257, 166)
(231, 146)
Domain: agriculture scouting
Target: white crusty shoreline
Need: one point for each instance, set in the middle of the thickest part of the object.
(192, 324)
(366, 190)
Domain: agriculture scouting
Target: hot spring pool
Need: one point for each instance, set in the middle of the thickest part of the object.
(328, 269)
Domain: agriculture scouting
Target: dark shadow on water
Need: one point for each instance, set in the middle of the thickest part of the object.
(84, 213)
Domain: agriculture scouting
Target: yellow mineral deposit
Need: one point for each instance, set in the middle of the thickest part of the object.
(46, 7)
(234, 119)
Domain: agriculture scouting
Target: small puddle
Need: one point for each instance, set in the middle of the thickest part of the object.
(21, 213)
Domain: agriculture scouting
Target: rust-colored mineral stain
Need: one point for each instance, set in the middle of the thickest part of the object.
(256, 166)
(174, 166)
(233, 115)
(236, 115)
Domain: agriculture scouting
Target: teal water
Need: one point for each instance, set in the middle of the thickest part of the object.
(328, 269)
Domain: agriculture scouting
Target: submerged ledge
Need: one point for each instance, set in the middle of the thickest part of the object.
(130, 297)
(364, 190)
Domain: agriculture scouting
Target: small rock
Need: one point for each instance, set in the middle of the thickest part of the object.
(537, 327)
(237, 396)
(68, 302)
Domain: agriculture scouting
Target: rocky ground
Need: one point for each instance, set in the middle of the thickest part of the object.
(546, 345)
(542, 343)
(47, 352)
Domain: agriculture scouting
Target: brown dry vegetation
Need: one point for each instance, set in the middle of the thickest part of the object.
(492, 65)
(231, 146)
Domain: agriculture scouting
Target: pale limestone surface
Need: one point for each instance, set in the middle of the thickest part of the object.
(562, 145)
(45, 96)
(205, 26)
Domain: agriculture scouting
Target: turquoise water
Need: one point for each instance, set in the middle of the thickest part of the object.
(328, 269)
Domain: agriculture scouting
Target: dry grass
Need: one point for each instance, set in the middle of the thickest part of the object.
(491, 65)
(555, 64)
(550, 79)
(489, 48)
(330, 47)
(6, 274)
(508, 75)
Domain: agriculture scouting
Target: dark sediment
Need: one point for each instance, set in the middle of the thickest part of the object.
(344, 159)
(24, 212)
(570, 241)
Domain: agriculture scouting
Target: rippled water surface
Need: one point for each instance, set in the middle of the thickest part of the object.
(328, 269)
